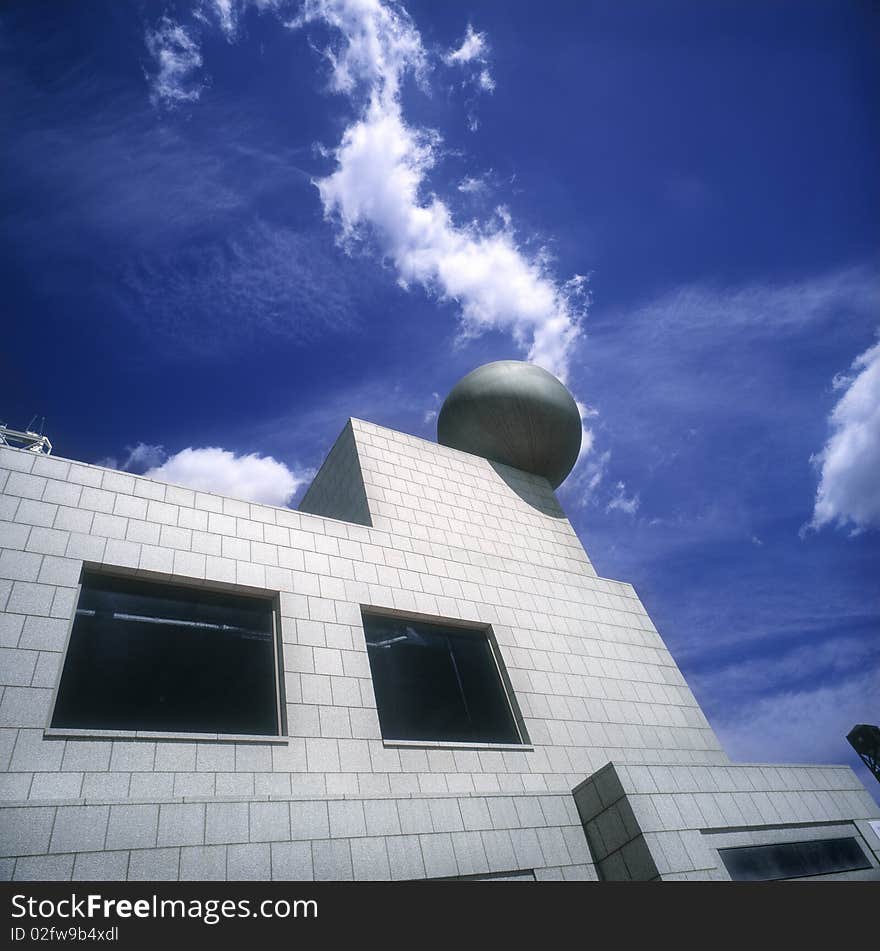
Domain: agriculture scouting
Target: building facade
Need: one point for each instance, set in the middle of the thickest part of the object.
(419, 675)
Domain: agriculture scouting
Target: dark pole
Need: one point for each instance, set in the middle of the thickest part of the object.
(865, 740)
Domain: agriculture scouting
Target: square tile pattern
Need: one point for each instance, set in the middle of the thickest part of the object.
(393, 523)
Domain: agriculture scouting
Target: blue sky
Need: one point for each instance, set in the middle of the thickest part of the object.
(232, 225)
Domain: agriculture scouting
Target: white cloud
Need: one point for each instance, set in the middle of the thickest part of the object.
(587, 475)
(473, 47)
(143, 456)
(228, 13)
(849, 486)
(177, 56)
(431, 413)
(620, 502)
(473, 185)
(759, 338)
(252, 477)
(381, 169)
(473, 52)
(379, 43)
(138, 458)
(379, 189)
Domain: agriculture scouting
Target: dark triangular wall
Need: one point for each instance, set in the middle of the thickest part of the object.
(337, 491)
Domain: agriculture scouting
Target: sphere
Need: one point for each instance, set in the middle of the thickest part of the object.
(515, 413)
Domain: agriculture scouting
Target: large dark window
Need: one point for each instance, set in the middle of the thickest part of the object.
(437, 683)
(167, 658)
(764, 863)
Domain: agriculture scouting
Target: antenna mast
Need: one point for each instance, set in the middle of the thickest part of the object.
(27, 439)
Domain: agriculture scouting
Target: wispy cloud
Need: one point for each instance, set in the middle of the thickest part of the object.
(137, 459)
(256, 280)
(714, 433)
(378, 44)
(225, 13)
(252, 477)
(184, 252)
(794, 702)
(378, 194)
(765, 309)
(473, 48)
(379, 190)
(803, 726)
(849, 486)
(143, 456)
(472, 57)
(620, 502)
(582, 485)
(228, 14)
(177, 56)
(473, 185)
(431, 413)
(112, 174)
(795, 666)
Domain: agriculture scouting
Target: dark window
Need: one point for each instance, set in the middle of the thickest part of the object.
(167, 658)
(437, 683)
(764, 863)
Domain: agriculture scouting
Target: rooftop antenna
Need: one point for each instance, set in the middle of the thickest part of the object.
(31, 428)
(27, 440)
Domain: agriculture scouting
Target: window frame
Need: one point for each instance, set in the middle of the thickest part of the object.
(112, 571)
(792, 846)
(474, 627)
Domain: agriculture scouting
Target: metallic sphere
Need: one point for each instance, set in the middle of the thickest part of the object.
(514, 413)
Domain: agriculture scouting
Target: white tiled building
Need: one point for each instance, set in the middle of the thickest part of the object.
(617, 773)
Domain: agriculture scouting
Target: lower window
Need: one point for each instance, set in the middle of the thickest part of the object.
(167, 658)
(765, 863)
(438, 683)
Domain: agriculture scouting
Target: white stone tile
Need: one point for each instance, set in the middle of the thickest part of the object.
(250, 863)
(181, 824)
(100, 866)
(332, 860)
(79, 828)
(226, 822)
(292, 861)
(370, 860)
(203, 863)
(132, 827)
(154, 865)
